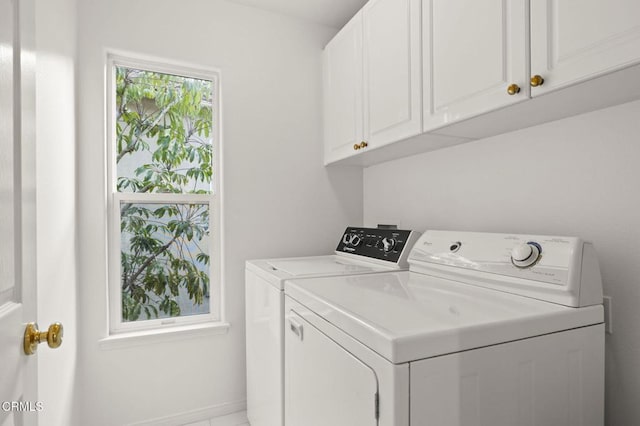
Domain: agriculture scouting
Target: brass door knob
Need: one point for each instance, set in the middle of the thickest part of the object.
(33, 337)
(513, 89)
(537, 80)
(363, 144)
(356, 146)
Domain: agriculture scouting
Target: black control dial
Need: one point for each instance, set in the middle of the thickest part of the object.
(351, 239)
(388, 244)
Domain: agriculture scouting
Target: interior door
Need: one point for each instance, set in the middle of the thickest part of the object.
(473, 51)
(325, 384)
(18, 374)
(574, 40)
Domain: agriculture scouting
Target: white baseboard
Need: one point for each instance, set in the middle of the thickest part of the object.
(193, 416)
(235, 419)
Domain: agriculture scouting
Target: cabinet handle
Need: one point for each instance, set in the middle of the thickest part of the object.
(356, 146)
(513, 89)
(537, 80)
(363, 144)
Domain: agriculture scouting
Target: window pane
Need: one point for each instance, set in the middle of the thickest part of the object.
(163, 132)
(164, 260)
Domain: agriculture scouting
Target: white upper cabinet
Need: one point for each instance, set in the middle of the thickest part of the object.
(409, 76)
(574, 40)
(372, 79)
(342, 63)
(392, 71)
(473, 52)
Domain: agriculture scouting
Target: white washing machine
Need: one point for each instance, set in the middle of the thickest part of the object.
(483, 330)
(359, 251)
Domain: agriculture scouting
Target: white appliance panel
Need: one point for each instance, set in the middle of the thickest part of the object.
(508, 384)
(405, 316)
(325, 384)
(561, 270)
(265, 369)
(322, 265)
(276, 271)
(492, 253)
(393, 379)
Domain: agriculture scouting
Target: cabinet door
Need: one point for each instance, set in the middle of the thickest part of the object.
(574, 40)
(392, 71)
(325, 384)
(472, 50)
(342, 65)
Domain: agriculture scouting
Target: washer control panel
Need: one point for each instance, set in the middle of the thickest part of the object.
(542, 258)
(556, 269)
(382, 244)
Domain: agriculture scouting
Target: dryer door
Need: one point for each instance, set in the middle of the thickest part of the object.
(325, 384)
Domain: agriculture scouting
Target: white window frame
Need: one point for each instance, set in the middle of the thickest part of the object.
(216, 313)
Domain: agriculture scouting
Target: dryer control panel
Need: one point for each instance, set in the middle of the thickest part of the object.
(382, 244)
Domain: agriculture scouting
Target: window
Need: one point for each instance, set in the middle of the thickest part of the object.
(163, 173)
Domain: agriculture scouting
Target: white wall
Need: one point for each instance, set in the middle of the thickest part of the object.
(56, 203)
(578, 176)
(279, 199)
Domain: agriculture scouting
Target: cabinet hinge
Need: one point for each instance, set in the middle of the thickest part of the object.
(376, 399)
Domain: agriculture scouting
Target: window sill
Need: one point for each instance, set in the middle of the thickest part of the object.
(145, 337)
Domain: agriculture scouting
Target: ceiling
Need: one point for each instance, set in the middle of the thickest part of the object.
(333, 13)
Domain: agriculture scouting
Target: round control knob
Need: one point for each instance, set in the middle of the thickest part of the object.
(346, 239)
(525, 255)
(388, 244)
(355, 240)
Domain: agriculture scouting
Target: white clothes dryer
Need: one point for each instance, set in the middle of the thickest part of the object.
(484, 329)
(359, 251)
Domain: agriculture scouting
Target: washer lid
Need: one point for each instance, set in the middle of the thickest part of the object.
(406, 316)
(277, 270)
(321, 266)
